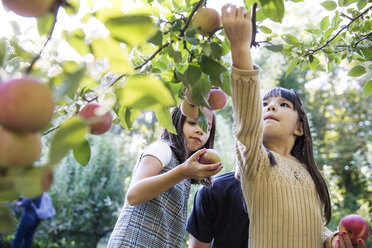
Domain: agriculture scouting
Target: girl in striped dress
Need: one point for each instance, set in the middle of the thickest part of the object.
(155, 209)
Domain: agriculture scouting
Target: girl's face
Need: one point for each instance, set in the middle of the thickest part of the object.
(280, 119)
(194, 135)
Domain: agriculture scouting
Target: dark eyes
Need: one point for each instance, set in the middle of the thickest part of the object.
(192, 122)
(283, 104)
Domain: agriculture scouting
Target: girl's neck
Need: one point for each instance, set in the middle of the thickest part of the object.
(282, 148)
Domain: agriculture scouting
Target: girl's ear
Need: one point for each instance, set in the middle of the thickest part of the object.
(299, 131)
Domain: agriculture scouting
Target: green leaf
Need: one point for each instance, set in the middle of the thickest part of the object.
(70, 80)
(216, 50)
(157, 39)
(292, 65)
(165, 119)
(361, 4)
(145, 92)
(45, 24)
(324, 23)
(111, 49)
(210, 66)
(200, 90)
(192, 74)
(226, 83)
(69, 134)
(357, 71)
(315, 31)
(273, 9)
(329, 5)
(82, 152)
(368, 88)
(133, 28)
(265, 29)
(275, 48)
(73, 7)
(290, 39)
(76, 40)
(202, 121)
(176, 55)
(313, 64)
(127, 116)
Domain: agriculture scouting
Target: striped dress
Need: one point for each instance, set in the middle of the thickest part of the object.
(160, 222)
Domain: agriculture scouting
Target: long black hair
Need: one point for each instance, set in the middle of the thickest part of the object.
(178, 142)
(303, 147)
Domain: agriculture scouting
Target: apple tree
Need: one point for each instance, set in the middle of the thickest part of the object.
(130, 60)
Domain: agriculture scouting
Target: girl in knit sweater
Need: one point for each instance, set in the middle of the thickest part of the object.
(286, 195)
(155, 208)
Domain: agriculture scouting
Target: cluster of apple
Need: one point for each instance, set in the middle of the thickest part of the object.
(27, 107)
(216, 99)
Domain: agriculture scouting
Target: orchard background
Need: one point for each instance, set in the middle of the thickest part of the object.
(137, 59)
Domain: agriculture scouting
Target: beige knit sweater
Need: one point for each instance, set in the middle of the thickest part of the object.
(283, 204)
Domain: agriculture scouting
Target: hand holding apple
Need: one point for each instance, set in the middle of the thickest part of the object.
(355, 226)
(210, 157)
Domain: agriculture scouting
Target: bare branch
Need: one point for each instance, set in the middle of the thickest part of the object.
(56, 8)
(367, 36)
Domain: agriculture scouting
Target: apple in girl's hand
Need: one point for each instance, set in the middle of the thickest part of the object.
(355, 226)
(209, 157)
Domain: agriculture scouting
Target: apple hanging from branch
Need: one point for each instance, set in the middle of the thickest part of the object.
(207, 21)
(26, 105)
(96, 117)
(29, 8)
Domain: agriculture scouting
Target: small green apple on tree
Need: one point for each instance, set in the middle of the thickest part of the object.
(29, 8)
(97, 118)
(207, 21)
(355, 226)
(211, 156)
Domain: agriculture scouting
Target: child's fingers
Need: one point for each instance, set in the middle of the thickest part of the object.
(211, 167)
(361, 244)
(346, 239)
(197, 154)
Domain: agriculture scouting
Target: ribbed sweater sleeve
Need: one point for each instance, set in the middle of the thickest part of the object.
(247, 128)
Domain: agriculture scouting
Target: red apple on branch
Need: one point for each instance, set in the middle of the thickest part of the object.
(18, 149)
(217, 99)
(356, 227)
(209, 157)
(188, 110)
(29, 8)
(97, 118)
(207, 21)
(26, 105)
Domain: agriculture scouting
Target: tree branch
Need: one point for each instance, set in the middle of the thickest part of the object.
(254, 26)
(330, 40)
(364, 37)
(56, 8)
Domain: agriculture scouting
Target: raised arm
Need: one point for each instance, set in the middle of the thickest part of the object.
(245, 90)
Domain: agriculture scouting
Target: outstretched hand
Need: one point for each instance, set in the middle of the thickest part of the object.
(198, 171)
(342, 240)
(238, 28)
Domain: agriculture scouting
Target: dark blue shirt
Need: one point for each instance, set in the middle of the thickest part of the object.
(219, 214)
